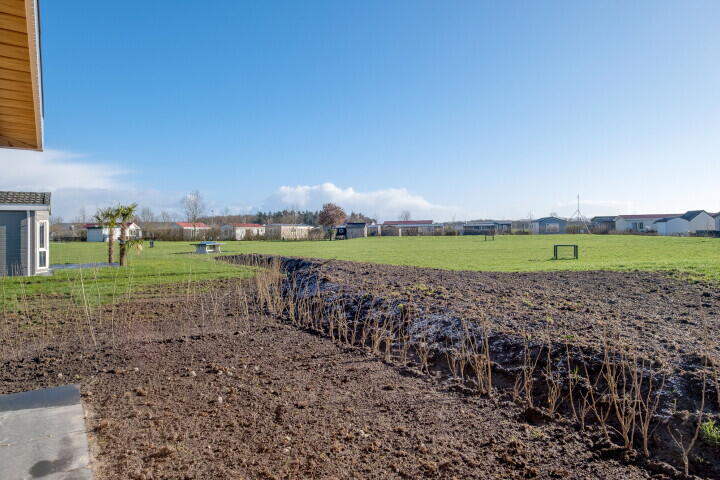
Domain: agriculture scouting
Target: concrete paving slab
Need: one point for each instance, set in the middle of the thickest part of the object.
(43, 435)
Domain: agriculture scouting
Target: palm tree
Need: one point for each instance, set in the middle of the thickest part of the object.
(126, 214)
(108, 217)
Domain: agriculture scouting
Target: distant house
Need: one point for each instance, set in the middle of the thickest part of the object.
(101, 233)
(24, 233)
(688, 223)
(640, 223)
(399, 228)
(716, 216)
(356, 229)
(191, 230)
(548, 225)
(283, 231)
(489, 227)
(602, 224)
(67, 232)
(239, 231)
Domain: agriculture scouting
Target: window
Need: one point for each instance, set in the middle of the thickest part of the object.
(42, 243)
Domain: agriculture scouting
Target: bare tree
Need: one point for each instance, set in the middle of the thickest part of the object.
(405, 215)
(82, 216)
(146, 216)
(194, 206)
(167, 217)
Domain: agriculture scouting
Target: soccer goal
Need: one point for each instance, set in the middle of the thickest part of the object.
(565, 251)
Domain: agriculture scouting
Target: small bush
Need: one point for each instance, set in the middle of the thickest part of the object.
(710, 433)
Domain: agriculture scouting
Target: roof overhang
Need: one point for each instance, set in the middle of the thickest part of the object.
(18, 207)
(21, 102)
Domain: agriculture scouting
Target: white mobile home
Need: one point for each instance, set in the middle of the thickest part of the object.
(640, 223)
(101, 233)
(24, 233)
(239, 231)
(191, 230)
(686, 224)
(411, 228)
(281, 231)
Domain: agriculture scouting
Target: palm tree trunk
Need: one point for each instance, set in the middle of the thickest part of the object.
(111, 245)
(123, 247)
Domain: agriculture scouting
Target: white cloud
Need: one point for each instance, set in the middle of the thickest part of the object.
(52, 170)
(384, 204)
(74, 183)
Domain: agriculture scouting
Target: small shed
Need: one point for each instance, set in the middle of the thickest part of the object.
(548, 225)
(240, 231)
(24, 233)
(356, 230)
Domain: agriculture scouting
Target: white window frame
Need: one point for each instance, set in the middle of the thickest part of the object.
(45, 249)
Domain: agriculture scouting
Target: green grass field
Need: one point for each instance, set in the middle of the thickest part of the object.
(167, 263)
(694, 257)
(170, 262)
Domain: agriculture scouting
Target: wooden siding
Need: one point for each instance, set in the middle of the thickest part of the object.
(20, 83)
(11, 243)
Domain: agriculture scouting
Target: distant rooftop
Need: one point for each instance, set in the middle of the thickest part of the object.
(247, 225)
(649, 215)
(25, 198)
(192, 225)
(408, 222)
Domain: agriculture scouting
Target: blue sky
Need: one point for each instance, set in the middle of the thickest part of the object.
(449, 109)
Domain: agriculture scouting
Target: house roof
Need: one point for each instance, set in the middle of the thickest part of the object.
(690, 214)
(649, 215)
(603, 218)
(543, 219)
(25, 198)
(191, 225)
(288, 225)
(247, 225)
(408, 222)
(21, 103)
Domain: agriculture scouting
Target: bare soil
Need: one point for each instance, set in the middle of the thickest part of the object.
(269, 401)
(183, 387)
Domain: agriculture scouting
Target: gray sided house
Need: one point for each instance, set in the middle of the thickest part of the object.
(489, 227)
(602, 224)
(356, 230)
(548, 225)
(24, 233)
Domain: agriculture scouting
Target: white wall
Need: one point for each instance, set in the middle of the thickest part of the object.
(702, 222)
(102, 234)
(625, 224)
(676, 226)
(230, 232)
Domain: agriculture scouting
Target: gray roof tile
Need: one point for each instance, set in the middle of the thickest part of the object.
(25, 198)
